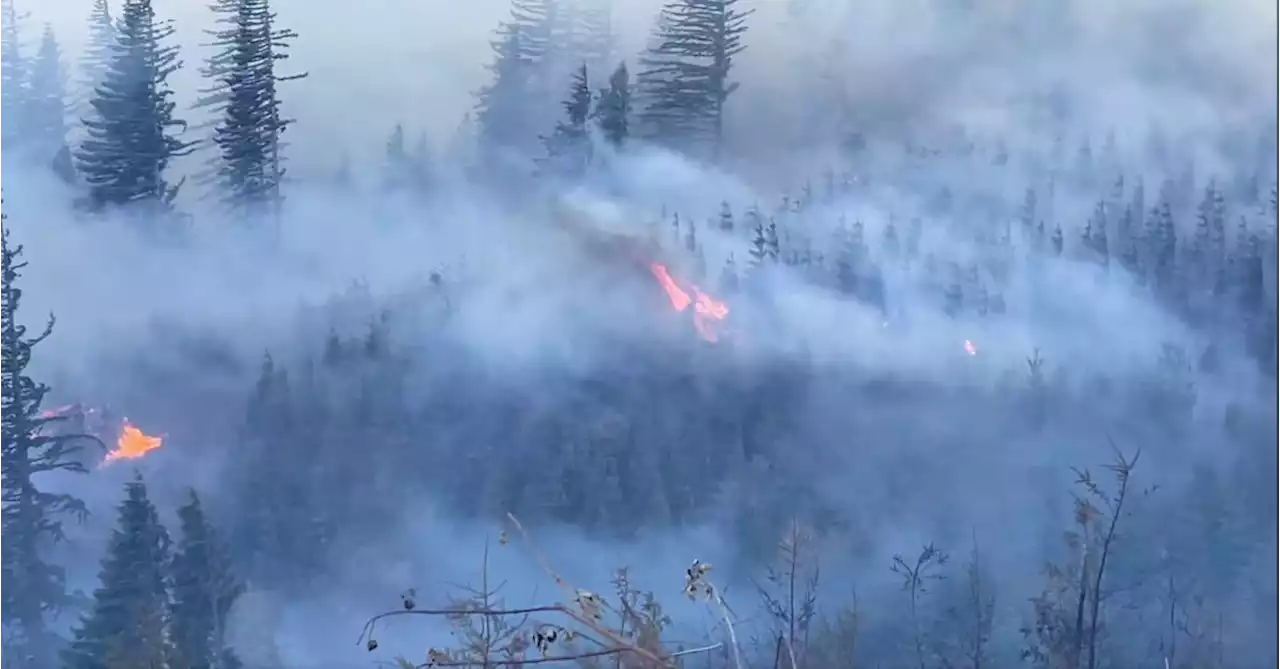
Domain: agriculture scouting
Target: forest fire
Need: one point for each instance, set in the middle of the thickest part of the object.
(706, 309)
(970, 348)
(131, 442)
(600, 243)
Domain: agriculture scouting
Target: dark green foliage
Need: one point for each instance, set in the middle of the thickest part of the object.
(685, 82)
(14, 77)
(569, 147)
(613, 110)
(32, 517)
(726, 217)
(759, 244)
(129, 143)
(276, 547)
(221, 63)
(46, 108)
(251, 170)
(127, 624)
(511, 108)
(96, 57)
(407, 170)
(204, 590)
(591, 39)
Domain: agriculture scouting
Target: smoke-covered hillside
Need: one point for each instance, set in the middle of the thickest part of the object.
(944, 331)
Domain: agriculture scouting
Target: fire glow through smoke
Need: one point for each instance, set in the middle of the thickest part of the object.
(706, 309)
(131, 442)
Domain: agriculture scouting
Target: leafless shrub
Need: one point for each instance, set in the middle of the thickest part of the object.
(916, 577)
(973, 617)
(790, 592)
(1068, 614)
(589, 628)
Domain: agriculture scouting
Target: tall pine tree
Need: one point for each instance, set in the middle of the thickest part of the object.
(514, 106)
(14, 72)
(129, 143)
(405, 169)
(204, 589)
(591, 37)
(685, 83)
(251, 171)
(31, 516)
(47, 105)
(569, 147)
(613, 110)
(212, 98)
(97, 53)
(126, 627)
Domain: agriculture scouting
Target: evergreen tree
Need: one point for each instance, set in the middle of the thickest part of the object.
(729, 276)
(251, 169)
(405, 169)
(759, 244)
(97, 53)
(591, 37)
(569, 147)
(396, 163)
(726, 217)
(129, 144)
(204, 590)
(214, 95)
(46, 105)
(31, 516)
(613, 110)
(1163, 242)
(14, 73)
(126, 626)
(685, 82)
(513, 106)
(280, 528)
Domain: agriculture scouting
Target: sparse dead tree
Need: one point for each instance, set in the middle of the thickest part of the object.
(1192, 638)
(1203, 629)
(1068, 615)
(974, 615)
(790, 592)
(915, 581)
(495, 636)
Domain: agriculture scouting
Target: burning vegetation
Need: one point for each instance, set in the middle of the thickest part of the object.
(126, 441)
(708, 313)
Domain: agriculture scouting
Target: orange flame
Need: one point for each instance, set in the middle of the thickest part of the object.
(132, 444)
(970, 348)
(706, 309)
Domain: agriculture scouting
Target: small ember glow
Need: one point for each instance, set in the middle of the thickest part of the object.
(706, 309)
(60, 411)
(132, 444)
(970, 348)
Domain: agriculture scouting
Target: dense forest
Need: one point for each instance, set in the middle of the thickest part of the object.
(950, 398)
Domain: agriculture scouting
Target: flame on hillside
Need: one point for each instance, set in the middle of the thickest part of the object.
(128, 441)
(132, 444)
(970, 348)
(706, 309)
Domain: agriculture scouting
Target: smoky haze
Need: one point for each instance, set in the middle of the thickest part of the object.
(525, 328)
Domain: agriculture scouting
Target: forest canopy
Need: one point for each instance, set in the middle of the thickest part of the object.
(926, 334)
